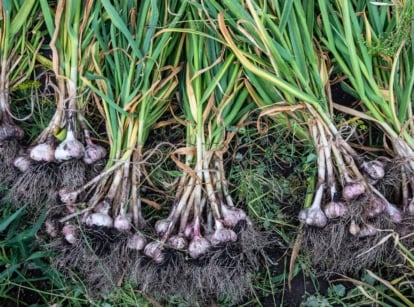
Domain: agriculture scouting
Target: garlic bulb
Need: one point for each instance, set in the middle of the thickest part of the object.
(70, 233)
(222, 235)
(367, 230)
(43, 152)
(374, 169)
(198, 246)
(67, 197)
(122, 222)
(178, 242)
(70, 148)
(22, 163)
(313, 215)
(352, 190)
(93, 153)
(232, 215)
(335, 209)
(99, 219)
(161, 226)
(154, 250)
(376, 205)
(136, 242)
(394, 213)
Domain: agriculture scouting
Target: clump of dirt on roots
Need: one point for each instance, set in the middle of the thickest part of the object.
(98, 256)
(8, 152)
(37, 187)
(73, 173)
(224, 273)
(333, 249)
(93, 170)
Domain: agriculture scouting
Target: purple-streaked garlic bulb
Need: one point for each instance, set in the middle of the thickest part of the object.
(70, 148)
(10, 131)
(154, 250)
(70, 234)
(161, 226)
(231, 215)
(43, 152)
(178, 242)
(393, 212)
(313, 215)
(376, 205)
(222, 235)
(352, 190)
(198, 246)
(93, 153)
(22, 163)
(335, 209)
(374, 169)
(99, 219)
(122, 222)
(136, 242)
(367, 230)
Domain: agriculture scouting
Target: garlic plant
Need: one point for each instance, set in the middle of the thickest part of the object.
(381, 79)
(214, 98)
(54, 159)
(20, 39)
(131, 105)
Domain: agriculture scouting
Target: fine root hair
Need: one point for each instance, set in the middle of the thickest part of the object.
(223, 274)
(95, 169)
(333, 249)
(73, 173)
(8, 152)
(99, 258)
(37, 187)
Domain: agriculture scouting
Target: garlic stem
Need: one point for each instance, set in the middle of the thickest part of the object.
(181, 205)
(327, 145)
(211, 193)
(222, 182)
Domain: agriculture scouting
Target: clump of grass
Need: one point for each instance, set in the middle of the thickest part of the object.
(26, 276)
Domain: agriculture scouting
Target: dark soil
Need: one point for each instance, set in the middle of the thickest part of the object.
(24, 295)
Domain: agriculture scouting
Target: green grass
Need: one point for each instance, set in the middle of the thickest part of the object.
(34, 108)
